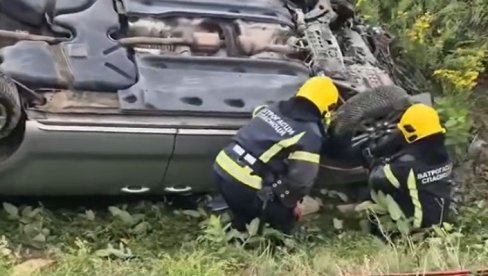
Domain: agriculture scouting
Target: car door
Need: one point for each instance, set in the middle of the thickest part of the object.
(61, 159)
(190, 168)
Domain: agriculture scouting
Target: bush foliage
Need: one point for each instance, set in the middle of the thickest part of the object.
(444, 40)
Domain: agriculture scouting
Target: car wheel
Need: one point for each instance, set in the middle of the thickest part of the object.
(10, 108)
(367, 118)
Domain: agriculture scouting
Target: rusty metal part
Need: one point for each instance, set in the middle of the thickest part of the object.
(255, 38)
(39, 99)
(168, 35)
(321, 8)
(170, 27)
(266, 33)
(206, 35)
(204, 41)
(230, 37)
(141, 40)
(251, 46)
(17, 35)
(67, 101)
(144, 27)
(63, 70)
(279, 48)
(198, 40)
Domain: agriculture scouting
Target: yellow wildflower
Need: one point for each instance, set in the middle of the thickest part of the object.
(463, 80)
(466, 66)
(418, 32)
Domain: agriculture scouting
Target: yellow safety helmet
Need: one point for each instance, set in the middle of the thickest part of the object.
(420, 121)
(321, 91)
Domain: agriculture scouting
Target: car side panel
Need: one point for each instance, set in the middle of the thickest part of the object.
(194, 155)
(61, 160)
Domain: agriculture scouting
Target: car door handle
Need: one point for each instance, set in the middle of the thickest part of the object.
(177, 190)
(135, 189)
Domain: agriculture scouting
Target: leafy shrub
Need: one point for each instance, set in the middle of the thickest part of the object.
(446, 41)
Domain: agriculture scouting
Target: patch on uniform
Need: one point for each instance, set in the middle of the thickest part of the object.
(434, 175)
(279, 125)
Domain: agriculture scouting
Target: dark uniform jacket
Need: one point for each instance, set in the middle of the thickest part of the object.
(419, 180)
(279, 148)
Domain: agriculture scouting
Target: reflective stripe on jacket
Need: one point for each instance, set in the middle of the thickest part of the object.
(283, 146)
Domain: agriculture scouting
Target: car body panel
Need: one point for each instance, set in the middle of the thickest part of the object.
(82, 160)
(269, 10)
(31, 10)
(92, 53)
(90, 60)
(229, 86)
(191, 165)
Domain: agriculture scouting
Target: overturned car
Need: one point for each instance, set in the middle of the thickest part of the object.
(138, 96)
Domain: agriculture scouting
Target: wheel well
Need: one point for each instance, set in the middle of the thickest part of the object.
(11, 143)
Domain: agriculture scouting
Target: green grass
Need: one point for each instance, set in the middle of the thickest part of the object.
(151, 239)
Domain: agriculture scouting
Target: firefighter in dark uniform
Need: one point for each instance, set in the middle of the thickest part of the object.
(272, 162)
(418, 178)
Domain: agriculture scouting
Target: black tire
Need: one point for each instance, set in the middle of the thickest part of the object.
(372, 105)
(10, 106)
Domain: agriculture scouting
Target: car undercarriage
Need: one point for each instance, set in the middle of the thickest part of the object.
(138, 96)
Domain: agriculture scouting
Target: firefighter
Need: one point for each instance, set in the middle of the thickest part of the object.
(272, 162)
(418, 177)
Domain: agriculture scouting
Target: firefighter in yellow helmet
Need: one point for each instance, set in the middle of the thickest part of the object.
(418, 177)
(273, 161)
